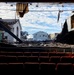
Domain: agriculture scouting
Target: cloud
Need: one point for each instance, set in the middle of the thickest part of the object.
(44, 17)
(30, 36)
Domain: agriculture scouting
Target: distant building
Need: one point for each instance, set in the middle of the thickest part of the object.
(16, 28)
(52, 36)
(1, 35)
(40, 36)
(2, 31)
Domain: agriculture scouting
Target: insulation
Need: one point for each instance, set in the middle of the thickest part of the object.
(21, 9)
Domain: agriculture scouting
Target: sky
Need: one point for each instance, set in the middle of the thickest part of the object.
(41, 18)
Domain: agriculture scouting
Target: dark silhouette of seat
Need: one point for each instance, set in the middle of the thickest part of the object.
(68, 54)
(3, 67)
(67, 59)
(60, 53)
(22, 59)
(11, 53)
(33, 59)
(15, 67)
(48, 68)
(52, 53)
(73, 69)
(2, 58)
(43, 53)
(56, 54)
(55, 59)
(35, 53)
(64, 68)
(7, 59)
(10, 59)
(31, 68)
(43, 58)
(27, 53)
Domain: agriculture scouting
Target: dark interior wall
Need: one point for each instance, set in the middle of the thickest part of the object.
(65, 36)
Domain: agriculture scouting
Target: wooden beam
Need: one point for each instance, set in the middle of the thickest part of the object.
(36, 0)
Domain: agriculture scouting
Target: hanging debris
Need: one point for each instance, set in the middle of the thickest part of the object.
(30, 3)
(21, 9)
(37, 5)
(58, 16)
(72, 11)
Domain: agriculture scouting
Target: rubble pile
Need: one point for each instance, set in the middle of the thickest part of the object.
(59, 45)
(51, 44)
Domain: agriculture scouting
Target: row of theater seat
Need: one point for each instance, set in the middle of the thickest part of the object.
(37, 68)
(51, 59)
(36, 62)
(36, 53)
(36, 57)
(36, 49)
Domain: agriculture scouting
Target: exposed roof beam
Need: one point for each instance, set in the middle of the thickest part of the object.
(37, 1)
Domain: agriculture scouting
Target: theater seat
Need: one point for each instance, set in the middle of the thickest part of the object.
(31, 68)
(43, 58)
(67, 59)
(64, 68)
(35, 53)
(43, 53)
(47, 68)
(55, 59)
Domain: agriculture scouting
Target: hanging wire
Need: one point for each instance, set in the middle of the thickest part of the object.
(39, 10)
(58, 16)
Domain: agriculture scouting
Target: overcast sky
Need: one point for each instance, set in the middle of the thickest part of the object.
(41, 18)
